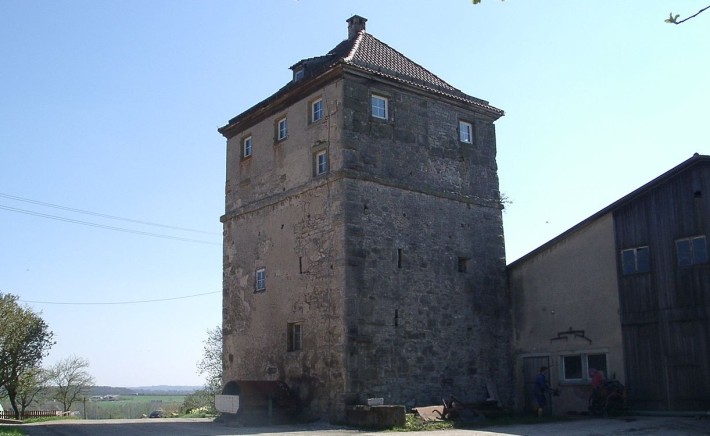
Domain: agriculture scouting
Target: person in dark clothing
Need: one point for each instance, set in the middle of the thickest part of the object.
(540, 389)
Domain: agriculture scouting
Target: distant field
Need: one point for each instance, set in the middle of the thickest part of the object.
(133, 406)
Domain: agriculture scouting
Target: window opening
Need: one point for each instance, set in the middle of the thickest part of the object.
(692, 251)
(317, 110)
(465, 132)
(282, 129)
(295, 336)
(246, 147)
(635, 260)
(379, 107)
(260, 282)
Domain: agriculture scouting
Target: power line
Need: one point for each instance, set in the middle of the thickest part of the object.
(102, 226)
(113, 217)
(119, 302)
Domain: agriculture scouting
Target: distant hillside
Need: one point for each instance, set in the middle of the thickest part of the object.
(165, 390)
(144, 390)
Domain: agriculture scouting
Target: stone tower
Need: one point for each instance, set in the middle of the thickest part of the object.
(363, 239)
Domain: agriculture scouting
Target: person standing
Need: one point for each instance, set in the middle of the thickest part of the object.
(540, 389)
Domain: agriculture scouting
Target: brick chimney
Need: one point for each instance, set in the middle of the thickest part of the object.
(356, 23)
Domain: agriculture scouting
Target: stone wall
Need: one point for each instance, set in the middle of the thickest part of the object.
(427, 309)
(393, 262)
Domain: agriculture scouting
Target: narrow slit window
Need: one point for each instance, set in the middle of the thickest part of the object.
(399, 258)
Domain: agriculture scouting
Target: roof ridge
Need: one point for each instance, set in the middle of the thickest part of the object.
(433, 79)
(355, 47)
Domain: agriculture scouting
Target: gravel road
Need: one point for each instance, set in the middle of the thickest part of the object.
(632, 426)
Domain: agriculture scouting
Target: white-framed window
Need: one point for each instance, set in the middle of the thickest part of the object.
(260, 280)
(692, 251)
(294, 334)
(298, 74)
(379, 106)
(317, 110)
(575, 367)
(465, 132)
(281, 129)
(246, 147)
(321, 162)
(635, 260)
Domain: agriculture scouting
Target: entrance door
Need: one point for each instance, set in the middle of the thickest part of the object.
(531, 366)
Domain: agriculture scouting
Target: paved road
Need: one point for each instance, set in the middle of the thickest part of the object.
(632, 426)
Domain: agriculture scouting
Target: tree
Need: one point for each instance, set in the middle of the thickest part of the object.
(25, 339)
(71, 379)
(673, 19)
(24, 390)
(210, 365)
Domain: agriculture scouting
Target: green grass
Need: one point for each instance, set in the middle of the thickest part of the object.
(49, 418)
(11, 431)
(414, 423)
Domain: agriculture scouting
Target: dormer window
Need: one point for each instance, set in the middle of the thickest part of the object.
(298, 74)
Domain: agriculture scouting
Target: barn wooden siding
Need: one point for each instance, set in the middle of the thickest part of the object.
(665, 313)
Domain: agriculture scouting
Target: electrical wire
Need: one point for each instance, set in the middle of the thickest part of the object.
(119, 302)
(102, 215)
(102, 226)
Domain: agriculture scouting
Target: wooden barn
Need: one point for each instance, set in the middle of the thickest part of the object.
(627, 292)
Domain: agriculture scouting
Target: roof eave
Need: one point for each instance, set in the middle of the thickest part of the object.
(285, 96)
(688, 163)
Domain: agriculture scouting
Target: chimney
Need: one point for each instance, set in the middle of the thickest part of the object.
(356, 23)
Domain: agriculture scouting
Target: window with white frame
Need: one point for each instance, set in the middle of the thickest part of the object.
(575, 367)
(321, 162)
(379, 106)
(294, 333)
(298, 74)
(260, 279)
(465, 132)
(317, 110)
(246, 147)
(281, 129)
(635, 260)
(692, 251)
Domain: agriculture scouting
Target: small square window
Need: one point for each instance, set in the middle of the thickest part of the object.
(260, 280)
(294, 333)
(635, 260)
(246, 147)
(572, 367)
(317, 110)
(298, 74)
(692, 251)
(379, 107)
(465, 132)
(321, 163)
(281, 129)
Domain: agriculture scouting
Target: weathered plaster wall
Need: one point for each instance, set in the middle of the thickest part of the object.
(572, 284)
(282, 218)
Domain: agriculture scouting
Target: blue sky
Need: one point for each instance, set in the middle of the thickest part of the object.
(112, 108)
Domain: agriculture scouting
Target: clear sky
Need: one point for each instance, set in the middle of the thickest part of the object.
(111, 107)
